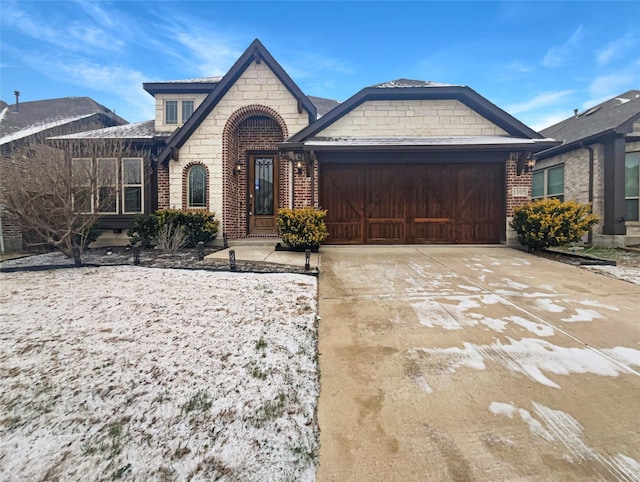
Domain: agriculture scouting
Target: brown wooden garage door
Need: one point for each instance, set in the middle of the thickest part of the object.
(413, 203)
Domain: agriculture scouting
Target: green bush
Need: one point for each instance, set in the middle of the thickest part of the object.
(302, 228)
(87, 237)
(200, 226)
(550, 222)
(143, 230)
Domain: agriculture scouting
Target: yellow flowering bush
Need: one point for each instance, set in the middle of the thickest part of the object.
(551, 222)
(302, 228)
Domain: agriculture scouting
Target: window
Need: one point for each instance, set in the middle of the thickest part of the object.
(82, 174)
(187, 110)
(170, 111)
(132, 185)
(107, 177)
(632, 185)
(197, 187)
(549, 183)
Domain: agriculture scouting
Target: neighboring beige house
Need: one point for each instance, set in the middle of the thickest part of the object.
(24, 151)
(598, 163)
(400, 162)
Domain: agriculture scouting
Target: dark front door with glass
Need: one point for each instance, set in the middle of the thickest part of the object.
(263, 194)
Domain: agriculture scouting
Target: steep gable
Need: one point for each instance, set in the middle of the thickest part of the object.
(255, 54)
(416, 108)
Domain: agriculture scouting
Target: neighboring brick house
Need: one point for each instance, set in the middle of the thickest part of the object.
(598, 163)
(400, 162)
(24, 151)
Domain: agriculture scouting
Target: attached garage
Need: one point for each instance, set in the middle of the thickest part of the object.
(413, 203)
(412, 162)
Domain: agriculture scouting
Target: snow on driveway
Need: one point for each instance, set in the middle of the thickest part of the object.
(155, 374)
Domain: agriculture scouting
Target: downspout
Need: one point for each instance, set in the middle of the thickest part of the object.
(590, 198)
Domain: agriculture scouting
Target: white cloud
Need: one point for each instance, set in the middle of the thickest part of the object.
(76, 36)
(539, 101)
(558, 54)
(537, 123)
(605, 87)
(517, 66)
(615, 48)
(213, 54)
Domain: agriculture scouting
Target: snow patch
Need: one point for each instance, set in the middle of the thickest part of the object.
(556, 425)
(540, 329)
(532, 357)
(422, 383)
(549, 305)
(597, 304)
(583, 315)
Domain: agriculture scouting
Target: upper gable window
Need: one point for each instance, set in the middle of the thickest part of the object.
(170, 111)
(177, 112)
(187, 110)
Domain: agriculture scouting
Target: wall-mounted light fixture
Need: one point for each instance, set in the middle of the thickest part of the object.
(237, 169)
(529, 164)
(299, 166)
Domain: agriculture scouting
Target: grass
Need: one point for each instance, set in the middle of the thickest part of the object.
(199, 401)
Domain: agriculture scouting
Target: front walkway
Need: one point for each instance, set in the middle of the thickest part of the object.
(475, 363)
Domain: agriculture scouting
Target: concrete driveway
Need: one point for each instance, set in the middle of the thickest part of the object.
(475, 363)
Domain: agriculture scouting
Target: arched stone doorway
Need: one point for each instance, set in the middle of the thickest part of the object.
(253, 193)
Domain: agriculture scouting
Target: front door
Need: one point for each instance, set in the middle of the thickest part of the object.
(263, 194)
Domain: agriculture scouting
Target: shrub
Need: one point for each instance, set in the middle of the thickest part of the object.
(144, 230)
(550, 222)
(302, 228)
(171, 238)
(199, 226)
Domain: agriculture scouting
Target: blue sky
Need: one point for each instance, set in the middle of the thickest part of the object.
(537, 60)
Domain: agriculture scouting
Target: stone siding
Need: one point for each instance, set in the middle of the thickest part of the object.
(402, 118)
(257, 87)
(160, 126)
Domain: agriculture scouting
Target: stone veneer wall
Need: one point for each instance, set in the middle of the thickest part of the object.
(257, 89)
(160, 126)
(402, 118)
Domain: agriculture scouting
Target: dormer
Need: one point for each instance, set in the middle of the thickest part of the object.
(176, 100)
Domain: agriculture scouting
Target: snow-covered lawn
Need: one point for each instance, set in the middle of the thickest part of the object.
(157, 374)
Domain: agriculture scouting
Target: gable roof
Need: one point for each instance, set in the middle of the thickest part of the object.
(138, 131)
(323, 105)
(406, 89)
(256, 52)
(202, 85)
(30, 118)
(614, 116)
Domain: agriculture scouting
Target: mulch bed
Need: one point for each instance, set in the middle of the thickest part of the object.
(154, 258)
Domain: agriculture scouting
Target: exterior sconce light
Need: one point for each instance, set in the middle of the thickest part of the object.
(237, 168)
(528, 164)
(299, 166)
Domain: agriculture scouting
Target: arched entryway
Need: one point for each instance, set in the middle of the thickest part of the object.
(255, 182)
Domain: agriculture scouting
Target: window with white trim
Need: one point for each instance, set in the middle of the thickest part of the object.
(632, 185)
(548, 183)
(82, 175)
(132, 185)
(170, 111)
(107, 180)
(197, 187)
